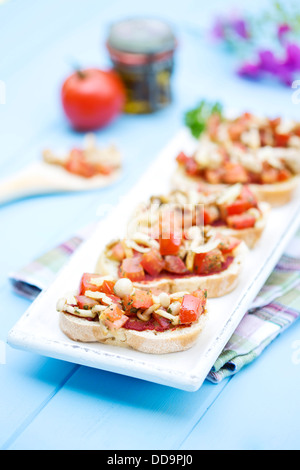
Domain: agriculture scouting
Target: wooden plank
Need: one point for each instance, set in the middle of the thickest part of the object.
(259, 408)
(48, 404)
(100, 410)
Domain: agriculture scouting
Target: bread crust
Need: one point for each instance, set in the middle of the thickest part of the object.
(148, 341)
(276, 194)
(217, 285)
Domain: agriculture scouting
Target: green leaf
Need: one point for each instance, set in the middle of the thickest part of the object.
(195, 119)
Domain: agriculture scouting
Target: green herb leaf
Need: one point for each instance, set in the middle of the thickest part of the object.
(196, 119)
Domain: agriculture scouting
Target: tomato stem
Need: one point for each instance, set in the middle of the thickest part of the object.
(80, 73)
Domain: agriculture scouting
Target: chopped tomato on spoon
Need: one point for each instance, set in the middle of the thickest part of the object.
(78, 165)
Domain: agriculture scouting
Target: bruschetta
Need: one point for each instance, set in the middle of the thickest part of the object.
(117, 313)
(176, 261)
(234, 211)
(260, 152)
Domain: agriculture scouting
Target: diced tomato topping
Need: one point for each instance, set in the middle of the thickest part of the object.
(234, 173)
(78, 165)
(245, 201)
(274, 122)
(118, 252)
(152, 262)
(212, 125)
(296, 130)
(138, 300)
(86, 284)
(241, 221)
(189, 163)
(206, 263)
(114, 317)
(228, 244)
(132, 269)
(191, 167)
(163, 322)
(107, 287)
(85, 303)
(281, 140)
(248, 195)
(211, 214)
(174, 264)
(169, 245)
(269, 175)
(191, 309)
(201, 294)
(182, 158)
(284, 175)
(236, 129)
(113, 312)
(115, 299)
(213, 176)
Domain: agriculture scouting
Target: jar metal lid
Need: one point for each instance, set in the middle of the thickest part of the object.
(140, 40)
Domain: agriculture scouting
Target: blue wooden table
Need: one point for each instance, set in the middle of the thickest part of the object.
(51, 404)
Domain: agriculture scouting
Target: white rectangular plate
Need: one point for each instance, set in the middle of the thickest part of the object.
(38, 330)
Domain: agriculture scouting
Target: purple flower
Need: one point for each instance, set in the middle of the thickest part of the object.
(285, 75)
(239, 26)
(281, 63)
(282, 31)
(292, 59)
(267, 61)
(218, 29)
(223, 27)
(268, 64)
(249, 70)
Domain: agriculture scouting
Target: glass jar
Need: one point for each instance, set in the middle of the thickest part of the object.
(142, 52)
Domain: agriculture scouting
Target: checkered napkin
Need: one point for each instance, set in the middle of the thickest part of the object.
(275, 308)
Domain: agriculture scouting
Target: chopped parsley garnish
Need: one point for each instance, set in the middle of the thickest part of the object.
(195, 119)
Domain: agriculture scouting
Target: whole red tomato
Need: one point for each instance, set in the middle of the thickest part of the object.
(92, 98)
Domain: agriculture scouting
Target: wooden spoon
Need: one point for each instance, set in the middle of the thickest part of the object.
(48, 175)
(42, 178)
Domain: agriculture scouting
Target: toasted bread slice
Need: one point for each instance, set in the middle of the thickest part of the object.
(147, 341)
(217, 284)
(276, 194)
